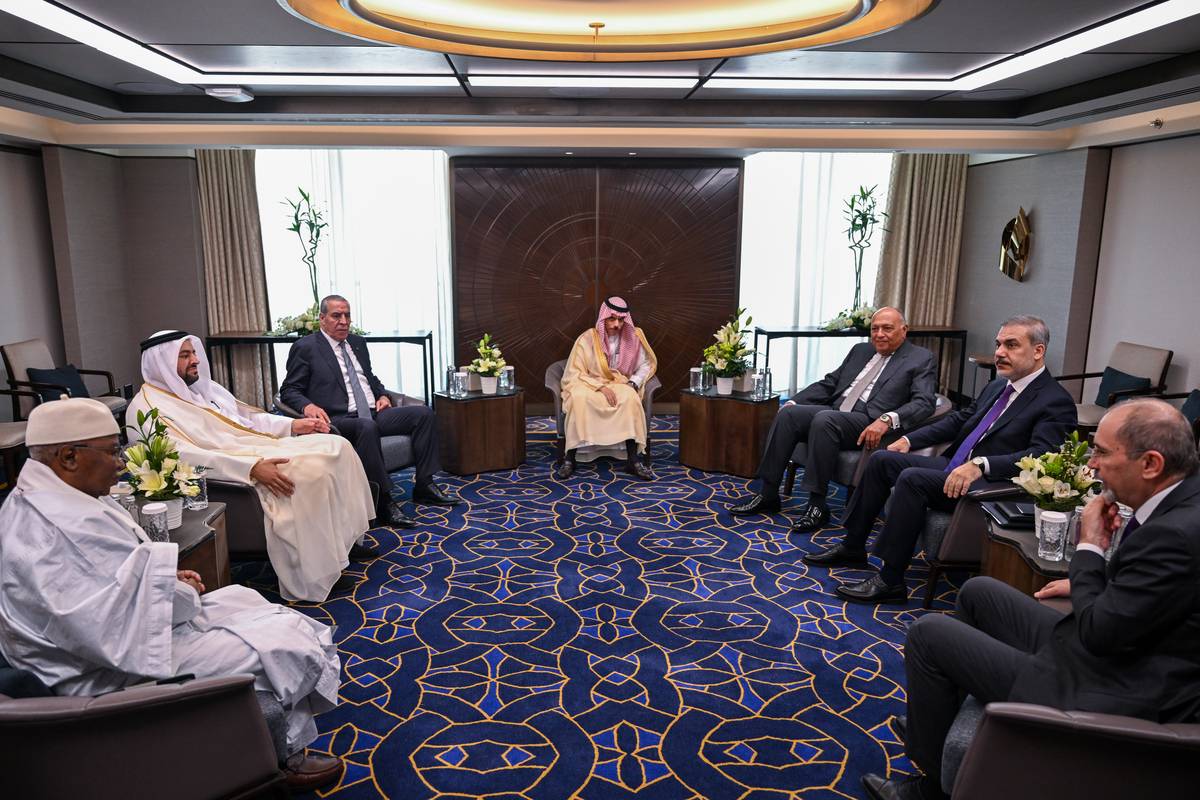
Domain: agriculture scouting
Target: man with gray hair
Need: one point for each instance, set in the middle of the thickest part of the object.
(1023, 411)
(1131, 642)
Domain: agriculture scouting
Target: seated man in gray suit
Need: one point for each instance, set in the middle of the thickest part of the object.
(880, 387)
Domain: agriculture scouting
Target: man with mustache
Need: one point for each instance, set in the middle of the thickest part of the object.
(1024, 411)
(329, 378)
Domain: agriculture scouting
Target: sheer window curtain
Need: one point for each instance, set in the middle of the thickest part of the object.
(796, 269)
(386, 250)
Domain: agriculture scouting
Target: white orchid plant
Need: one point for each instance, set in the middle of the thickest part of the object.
(153, 462)
(729, 357)
(1059, 480)
(490, 362)
(859, 318)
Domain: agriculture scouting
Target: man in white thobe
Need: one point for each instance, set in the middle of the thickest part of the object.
(314, 493)
(89, 605)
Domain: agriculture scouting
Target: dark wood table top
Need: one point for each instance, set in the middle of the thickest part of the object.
(1025, 541)
(196, 527)
(742, 397)
(499, 395)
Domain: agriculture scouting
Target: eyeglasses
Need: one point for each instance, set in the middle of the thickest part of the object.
(117, 451)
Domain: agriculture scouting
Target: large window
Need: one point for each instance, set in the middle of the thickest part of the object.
(387, 247)
(796, 269)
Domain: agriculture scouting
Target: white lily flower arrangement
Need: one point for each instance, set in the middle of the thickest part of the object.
(1059, 480)
(858, 318)
(490, 362)
(729, 357)
(153, 462)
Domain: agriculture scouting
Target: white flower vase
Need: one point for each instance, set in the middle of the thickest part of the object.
(472, 380)
(174, 513)
(487, 383)
(724, 385)
(743, 382)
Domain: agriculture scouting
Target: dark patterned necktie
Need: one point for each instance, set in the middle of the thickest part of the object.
(360, 398)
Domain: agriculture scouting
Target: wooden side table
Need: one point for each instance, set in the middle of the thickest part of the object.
(724, 433)
(203, 546)
(481, 432)
(1010, 555)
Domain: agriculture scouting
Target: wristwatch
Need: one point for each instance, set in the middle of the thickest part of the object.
(886, 419)
(980, 462)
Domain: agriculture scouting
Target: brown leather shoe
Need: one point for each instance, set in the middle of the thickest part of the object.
(306, 771)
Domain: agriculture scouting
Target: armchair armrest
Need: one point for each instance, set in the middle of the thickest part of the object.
(1063, 754)
(285, 409)
(1121, 394)
(399, 399)
(39, 385)
(201, 739)
(37, 398)
(995, 490)
(108, 376)
(1080, 376)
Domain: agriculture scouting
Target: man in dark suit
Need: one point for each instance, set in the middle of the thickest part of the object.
(1023, 411)
(1131, 643)
(880, 387)
(329, 377)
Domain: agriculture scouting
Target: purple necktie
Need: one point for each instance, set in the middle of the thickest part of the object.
(968, 444)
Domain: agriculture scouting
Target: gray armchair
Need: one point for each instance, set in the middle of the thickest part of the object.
(196, 740)
(12, 437)
(397, 450)
(851, 463)
(19, 357)
(554, 374)
(1139, 360)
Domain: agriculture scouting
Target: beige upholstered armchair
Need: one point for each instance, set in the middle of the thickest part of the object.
(12, 436)
(1136, 360)
(20, 357)
(554, 374)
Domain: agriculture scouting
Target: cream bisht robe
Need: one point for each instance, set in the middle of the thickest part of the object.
(90, 605)
(592, 426)
(309, 535)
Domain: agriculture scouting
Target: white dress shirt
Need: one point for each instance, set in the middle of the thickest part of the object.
(1141, 515)
(355, 368)
(1018, 387)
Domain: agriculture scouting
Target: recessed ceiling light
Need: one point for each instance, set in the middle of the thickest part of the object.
(632, 153)
(579, 82)
(568, 153)
(230, 94)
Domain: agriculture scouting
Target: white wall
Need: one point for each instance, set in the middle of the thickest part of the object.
(1148, 283)
(28, 293)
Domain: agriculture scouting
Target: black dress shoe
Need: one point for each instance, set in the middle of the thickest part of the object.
(565, 470)
(837, 556)
(431, 495)
(755, 505)
(363, 552)
(873, 590)
(306, 772)
(813, 518)
(344, 585)
(393, 517)
(639, 470)
(911, 787)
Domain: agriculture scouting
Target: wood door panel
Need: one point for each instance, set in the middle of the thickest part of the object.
(538, 243)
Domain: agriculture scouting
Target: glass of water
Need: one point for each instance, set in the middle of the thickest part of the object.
(154, 522)
(460, 384)
(696, 379)
(123, 494)
(200, 501)
(505, 384)
(756, 385)
(1054, 535)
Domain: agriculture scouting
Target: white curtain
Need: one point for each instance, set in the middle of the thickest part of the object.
(386, 250)
(796, 269)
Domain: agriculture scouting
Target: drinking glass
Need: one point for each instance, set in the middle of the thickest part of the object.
(1073, 533)
(122, 493)
(1126, 514)
(200, 501)
(460, 384)
(1054, 535)
(505, 384)
(696, 379)
(767, 385)
(756, 385)
(450, 388)
(154, 522)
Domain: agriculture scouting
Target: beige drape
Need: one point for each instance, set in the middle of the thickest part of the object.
(918, 266)
(235, 277)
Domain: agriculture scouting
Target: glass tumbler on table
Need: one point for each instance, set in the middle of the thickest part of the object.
(1054, 535)
(154, 522)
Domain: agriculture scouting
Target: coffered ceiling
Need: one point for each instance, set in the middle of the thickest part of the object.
(949, 69)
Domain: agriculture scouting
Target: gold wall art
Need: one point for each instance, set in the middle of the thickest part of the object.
(1014, 246)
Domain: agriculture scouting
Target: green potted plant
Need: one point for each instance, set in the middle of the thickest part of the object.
(729, 358)
(308, 223)
(862, 215)
(155, 469)
(488, 364)
(1059, 480)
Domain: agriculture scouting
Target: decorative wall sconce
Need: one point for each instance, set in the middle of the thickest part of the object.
(1014, 246)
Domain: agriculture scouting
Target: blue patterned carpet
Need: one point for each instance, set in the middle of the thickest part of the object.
(606, 639)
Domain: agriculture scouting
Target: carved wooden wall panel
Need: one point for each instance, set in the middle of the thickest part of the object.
(539, 243)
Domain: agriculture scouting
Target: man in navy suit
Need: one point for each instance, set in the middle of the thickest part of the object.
(1131, 643)
(1023, 411)
(880, 387)
(329, 377)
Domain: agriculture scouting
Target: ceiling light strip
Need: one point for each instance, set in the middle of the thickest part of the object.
(579, 81)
